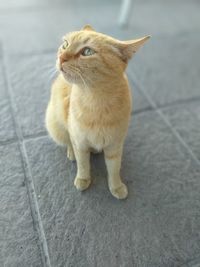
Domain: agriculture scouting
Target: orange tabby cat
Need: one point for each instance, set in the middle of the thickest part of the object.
(90, 103)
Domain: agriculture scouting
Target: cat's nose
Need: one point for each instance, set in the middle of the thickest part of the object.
(63, 58)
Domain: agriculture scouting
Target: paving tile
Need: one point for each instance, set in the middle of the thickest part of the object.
(158, 225)
(11, 5)
(31, 79)
(46, 26)
(139, 101)
(168, 69)
(48, 21)
(185, 118)
(18, 242)
(43, 31)
(6, 126)
(165, 17)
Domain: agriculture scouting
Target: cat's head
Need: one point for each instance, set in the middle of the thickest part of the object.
(87, 56)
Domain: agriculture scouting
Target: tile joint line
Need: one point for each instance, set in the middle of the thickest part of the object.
(165, 120)
(27, 172)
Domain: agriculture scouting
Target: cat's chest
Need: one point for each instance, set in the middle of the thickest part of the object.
(97, 121)
(97, 137)
(94, 128)
(93, 114)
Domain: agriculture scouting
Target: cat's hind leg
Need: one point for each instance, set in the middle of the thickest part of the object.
(57, 132)
(70, 152)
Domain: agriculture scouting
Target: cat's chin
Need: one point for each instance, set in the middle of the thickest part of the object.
(70, 78)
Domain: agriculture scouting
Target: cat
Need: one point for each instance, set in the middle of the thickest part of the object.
(90, 103)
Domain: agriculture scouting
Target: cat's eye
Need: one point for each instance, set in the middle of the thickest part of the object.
(87, 51)
(65, 44)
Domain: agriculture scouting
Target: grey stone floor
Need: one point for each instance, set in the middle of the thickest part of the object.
(44, 221)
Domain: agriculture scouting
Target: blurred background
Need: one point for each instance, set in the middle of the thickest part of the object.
(168, 65)
(44, 221)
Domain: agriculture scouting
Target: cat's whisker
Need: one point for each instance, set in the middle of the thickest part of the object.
(85, 78)
(52, 75)
(48, 67)
(85, 84)
(86, 66)
(52, 70)
(78, 72)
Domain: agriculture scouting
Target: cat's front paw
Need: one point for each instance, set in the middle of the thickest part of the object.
(82, 184)
(120, 192)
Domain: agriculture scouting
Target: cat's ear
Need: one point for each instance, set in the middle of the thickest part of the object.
(87, 28)
(126, 49)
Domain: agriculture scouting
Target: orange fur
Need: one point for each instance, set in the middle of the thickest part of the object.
(90, 102)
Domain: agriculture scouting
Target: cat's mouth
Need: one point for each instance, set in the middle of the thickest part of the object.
(69, 75)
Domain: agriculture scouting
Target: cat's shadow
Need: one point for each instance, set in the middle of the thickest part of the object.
(98, 167)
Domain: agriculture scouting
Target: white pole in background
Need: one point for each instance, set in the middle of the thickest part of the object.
(125, 12)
